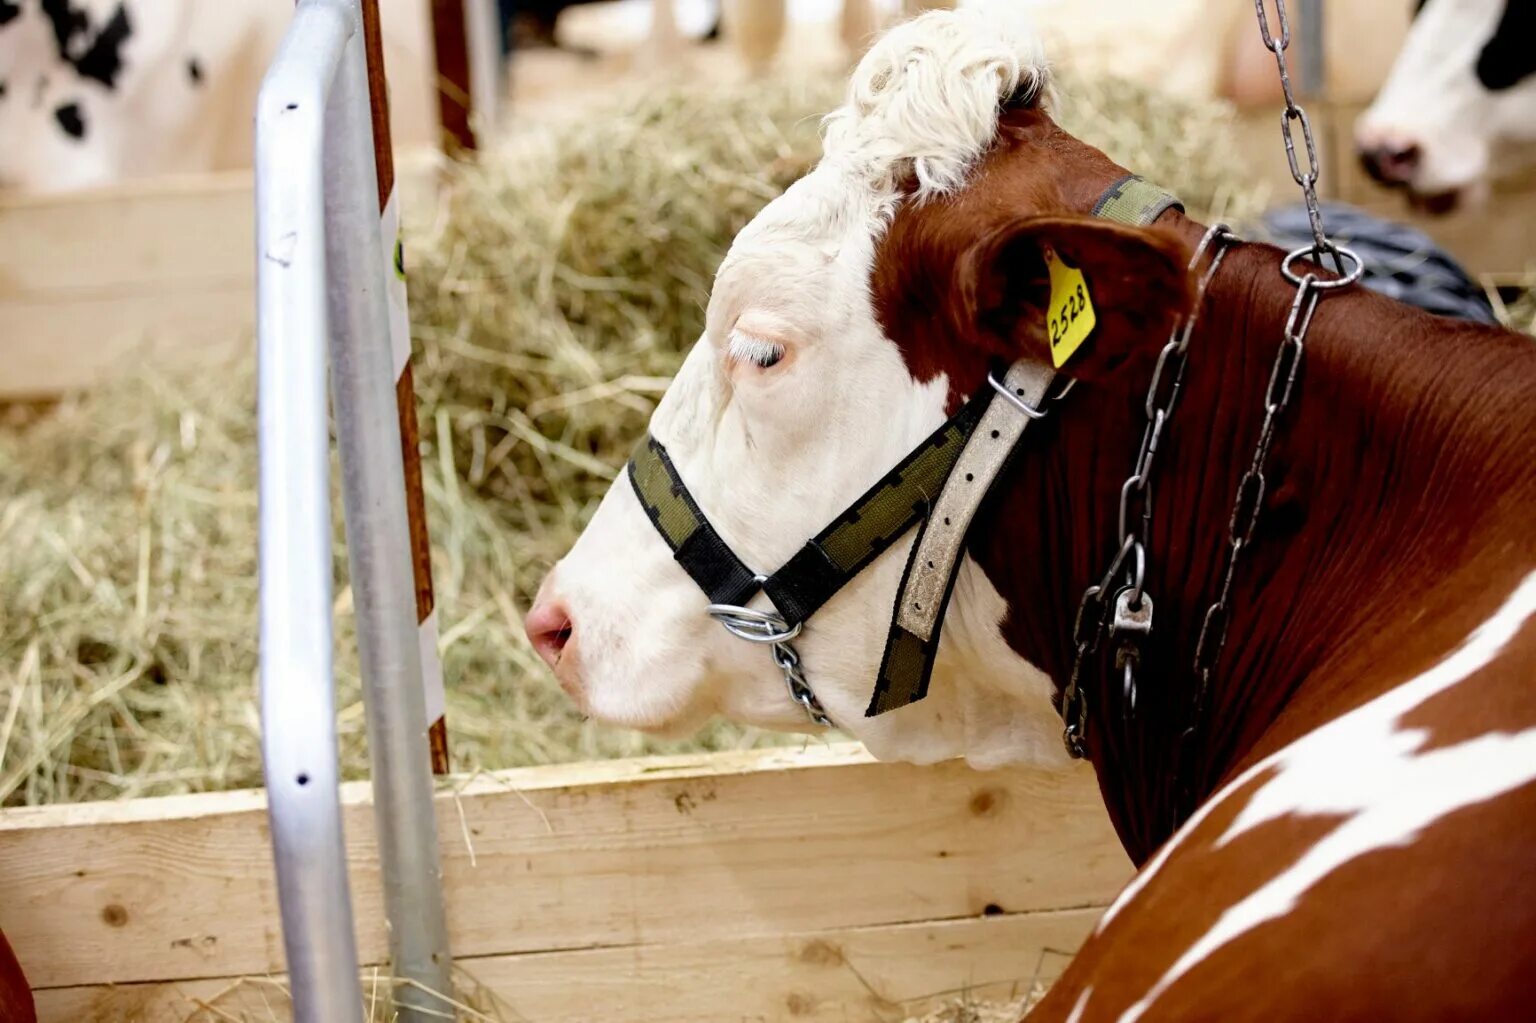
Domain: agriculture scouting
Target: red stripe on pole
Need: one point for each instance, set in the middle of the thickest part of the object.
(405, 390)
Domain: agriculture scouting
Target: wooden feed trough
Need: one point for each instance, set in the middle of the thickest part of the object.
(812, 885)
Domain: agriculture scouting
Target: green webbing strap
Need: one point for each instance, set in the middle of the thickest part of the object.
(825, 564)
(695, 545)
(1135, 201)
(874, 522)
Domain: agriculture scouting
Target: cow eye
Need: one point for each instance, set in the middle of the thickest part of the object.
(758, 351)
(770, 357)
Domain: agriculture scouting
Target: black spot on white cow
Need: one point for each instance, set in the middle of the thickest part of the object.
(1459, 106)
(93, 49)
(71, 120)
(103, 90)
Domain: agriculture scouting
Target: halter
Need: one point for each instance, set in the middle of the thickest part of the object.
(959, 462)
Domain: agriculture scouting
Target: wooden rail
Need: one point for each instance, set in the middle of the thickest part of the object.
(93, 279)
(813, 885)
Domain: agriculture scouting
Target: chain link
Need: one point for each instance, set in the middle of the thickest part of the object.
(1129, 616)
(1310, 289)
(769, 628)
(1294, 114)
(788, 661)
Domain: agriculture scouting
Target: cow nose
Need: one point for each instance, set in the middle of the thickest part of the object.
(549, 629)
(1392, 163)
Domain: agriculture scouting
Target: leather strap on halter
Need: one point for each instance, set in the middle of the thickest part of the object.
(934, 564)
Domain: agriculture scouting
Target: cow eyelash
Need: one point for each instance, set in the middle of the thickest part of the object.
(746, 348)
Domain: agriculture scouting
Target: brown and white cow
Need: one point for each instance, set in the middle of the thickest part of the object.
(1365, 831)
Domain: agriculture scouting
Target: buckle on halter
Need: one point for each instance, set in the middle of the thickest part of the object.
(1019, 403)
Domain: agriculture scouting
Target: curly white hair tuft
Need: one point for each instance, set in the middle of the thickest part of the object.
(925, 99)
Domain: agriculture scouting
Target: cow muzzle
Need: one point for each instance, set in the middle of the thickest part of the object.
(1391, 163)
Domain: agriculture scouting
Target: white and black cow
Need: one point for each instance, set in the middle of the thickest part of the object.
(92, 91)
(1459, 104)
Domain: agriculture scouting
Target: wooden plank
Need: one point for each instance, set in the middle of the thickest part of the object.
(169, 231)
(48, 348)
(163, 267)
(873, 973)
(617, 854)
(91, 280)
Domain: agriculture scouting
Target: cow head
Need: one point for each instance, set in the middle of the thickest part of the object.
(942, 179)
(1459, 104)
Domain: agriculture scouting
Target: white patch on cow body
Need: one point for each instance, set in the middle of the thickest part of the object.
(1367, 768)
(772, 455)
(1081, 1005)
(154, 119)
(1433, 100)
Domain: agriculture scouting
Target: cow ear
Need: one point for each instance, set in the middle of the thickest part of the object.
(1098, 294)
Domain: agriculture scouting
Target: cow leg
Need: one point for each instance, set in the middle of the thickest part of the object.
(15, 996)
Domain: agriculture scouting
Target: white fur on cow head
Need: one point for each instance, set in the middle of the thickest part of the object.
(773, 452)
(1434, 107)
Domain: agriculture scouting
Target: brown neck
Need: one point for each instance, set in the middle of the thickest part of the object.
(1349, 527)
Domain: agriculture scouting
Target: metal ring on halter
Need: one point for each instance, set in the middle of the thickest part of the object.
(752, 625)
(1321, 285)
(1019, 403)
(1217, 230)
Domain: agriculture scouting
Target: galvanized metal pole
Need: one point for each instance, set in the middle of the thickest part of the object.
(298, 710)
(379, 547)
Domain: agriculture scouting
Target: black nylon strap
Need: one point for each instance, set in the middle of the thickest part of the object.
(867, 529)
(702, 552)
(907, 663)
(880, 517)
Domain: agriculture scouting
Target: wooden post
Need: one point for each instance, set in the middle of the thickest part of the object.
(450, 50)
(405, 391)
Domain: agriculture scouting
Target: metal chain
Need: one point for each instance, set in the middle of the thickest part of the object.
(1132, 607)
(769, 628)
(788, 661)
(1310, 289)
(1293, 113)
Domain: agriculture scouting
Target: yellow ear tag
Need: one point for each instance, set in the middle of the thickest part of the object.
(1069, 316)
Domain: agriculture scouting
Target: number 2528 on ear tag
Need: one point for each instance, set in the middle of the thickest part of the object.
(1069, 315)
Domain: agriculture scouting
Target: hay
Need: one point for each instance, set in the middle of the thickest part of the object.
(552, 296)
